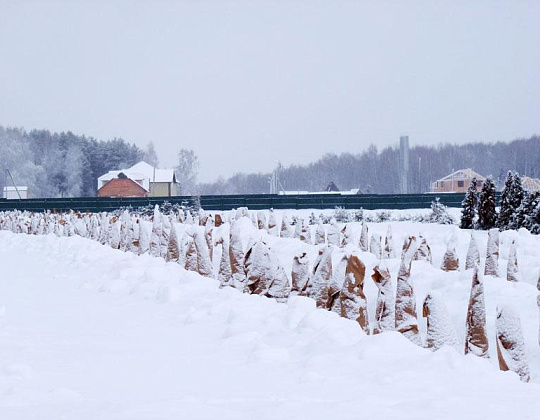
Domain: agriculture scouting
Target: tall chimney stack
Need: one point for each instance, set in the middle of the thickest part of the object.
(404, 164)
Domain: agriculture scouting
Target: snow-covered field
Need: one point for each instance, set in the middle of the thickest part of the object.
(88, 332)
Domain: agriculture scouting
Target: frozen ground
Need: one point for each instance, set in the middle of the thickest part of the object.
(87, 332)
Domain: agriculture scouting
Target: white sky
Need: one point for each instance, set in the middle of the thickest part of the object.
(247, 83)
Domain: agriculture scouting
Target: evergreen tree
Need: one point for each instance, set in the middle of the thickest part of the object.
(524, 215)
(469, 205)
(487, 215)
(511, 198)
(518, 195)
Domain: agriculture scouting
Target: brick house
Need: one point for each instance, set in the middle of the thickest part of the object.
(457, 182)
(122, 186)
(156, 182)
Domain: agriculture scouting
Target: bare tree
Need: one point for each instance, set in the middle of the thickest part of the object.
(187, 171)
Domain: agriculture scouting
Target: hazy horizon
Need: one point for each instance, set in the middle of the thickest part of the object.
(246, 84)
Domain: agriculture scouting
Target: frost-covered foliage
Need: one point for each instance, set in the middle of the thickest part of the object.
(347, 216)
(469, 206)
(487, 214)
(439, 213)
(510, 343)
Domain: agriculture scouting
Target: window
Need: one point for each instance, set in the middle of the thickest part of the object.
(461, 183)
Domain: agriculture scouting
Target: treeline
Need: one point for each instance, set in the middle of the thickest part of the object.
(377, 171)
(60, 164)
(518, 209)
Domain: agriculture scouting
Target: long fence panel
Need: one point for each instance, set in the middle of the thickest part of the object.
(228, 202)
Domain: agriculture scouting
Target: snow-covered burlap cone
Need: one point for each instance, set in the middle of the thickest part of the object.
(265, 275)
(364, 238)
(261, 220)
(510, 343)
(305, 234)
(155, 238)
(300, 274)
(423, 252)
(538, 304)
(476, 341)
(321, 280)
(285, 231)
(450, 259)
(389, 248)
(375, 245)
(135, 232)
(336, 284)
(320, 234)
(191, 256)
(440, 330)
(298, 228)
(333, 233)
(473, 255)
(352, 297)
(94, 228)
(512, 270)
(165, 232)
(406, 319)
(144, 238)
(236, 256)
(203, 217)
(492, 257)
(173, 248)
(104, 229)
(218, 220)
(272, 223)
(189, 218)
(204, 264)
(346, 235)
(208, 236)
(114, 233)
(125, 231)
(385, 315)
(224, 272)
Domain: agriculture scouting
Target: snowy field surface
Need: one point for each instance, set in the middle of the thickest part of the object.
(88, 332)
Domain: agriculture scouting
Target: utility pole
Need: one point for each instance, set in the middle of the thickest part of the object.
(16, 189)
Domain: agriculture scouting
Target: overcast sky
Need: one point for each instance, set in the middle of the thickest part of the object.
(245, 84)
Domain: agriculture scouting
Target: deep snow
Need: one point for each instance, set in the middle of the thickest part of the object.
(87, 332)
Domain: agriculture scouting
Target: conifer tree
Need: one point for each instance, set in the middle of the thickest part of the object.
(469, 206)
(518, 195)
(487, 215)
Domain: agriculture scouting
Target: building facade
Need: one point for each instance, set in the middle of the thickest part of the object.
(156, 182)
(457, 182)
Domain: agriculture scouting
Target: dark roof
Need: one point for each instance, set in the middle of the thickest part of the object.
(332, 187)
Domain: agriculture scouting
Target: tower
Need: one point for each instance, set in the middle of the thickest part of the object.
(404, 164)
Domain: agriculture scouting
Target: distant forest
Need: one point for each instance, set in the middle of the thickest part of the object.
(68, 165)
(60, 164)
(374, 171)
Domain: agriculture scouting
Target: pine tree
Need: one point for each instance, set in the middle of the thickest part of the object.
(518, 195)
(525, 212)
(487, 215)
(507, 210)
(469, 206)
